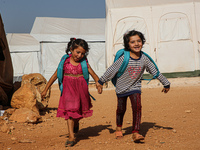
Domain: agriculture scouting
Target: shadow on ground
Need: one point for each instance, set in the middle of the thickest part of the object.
(47, 110)
(144, 128)
(88, 132)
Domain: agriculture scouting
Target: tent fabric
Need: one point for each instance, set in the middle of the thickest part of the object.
(22, 42)
(62, 29)
(25, 54)
(178, 24)
(41, 50)
(52, 53)
(171, 29)
(6, 69)
(25, 63)
(127, 3)
(54, 34)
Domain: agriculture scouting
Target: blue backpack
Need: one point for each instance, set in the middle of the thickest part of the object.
(125, 64)
(60, 72)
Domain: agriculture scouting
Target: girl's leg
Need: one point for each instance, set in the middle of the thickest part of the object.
(76, 125)
(136, 111)
(121, 109)
(70, 123)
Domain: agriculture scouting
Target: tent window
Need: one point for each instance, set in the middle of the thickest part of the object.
(128, 24)
(173, 27)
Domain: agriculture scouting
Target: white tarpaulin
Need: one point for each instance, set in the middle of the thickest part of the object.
(171, 29)
(54, 34)
(62, 29)
(25, 53)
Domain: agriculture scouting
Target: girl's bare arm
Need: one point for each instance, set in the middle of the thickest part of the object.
(49, 83)
(96, 78)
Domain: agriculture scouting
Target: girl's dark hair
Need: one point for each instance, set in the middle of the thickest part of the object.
(132, 33)
(75, 43)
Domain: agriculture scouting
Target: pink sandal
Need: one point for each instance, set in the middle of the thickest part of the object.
(118, 134)
(137, 137)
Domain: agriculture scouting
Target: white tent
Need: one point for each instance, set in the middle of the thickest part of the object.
(54, 34)
(25, 54)
(171, 28)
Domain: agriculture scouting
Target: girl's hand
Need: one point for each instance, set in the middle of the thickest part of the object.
(43, 94)
(165, 90)
(99, 87)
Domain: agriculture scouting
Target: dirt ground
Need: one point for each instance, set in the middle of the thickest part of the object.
(169, 122)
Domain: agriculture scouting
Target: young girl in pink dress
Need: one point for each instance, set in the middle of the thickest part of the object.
(75, 102)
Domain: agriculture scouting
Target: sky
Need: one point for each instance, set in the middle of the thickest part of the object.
(19, 15)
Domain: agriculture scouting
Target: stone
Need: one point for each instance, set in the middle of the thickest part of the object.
(25, 115)
(174, 131)
(8, 112)
(29, 94)
(27, 141)
(188, 111)
(12, 128)
(4, 128)
(13, 138)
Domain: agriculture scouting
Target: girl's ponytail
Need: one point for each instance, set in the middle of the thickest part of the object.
(69, 45)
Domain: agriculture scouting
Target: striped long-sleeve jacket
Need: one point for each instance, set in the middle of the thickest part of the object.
(130, 81)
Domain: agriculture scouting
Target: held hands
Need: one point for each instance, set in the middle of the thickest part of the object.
(99, 87)
(165, 90)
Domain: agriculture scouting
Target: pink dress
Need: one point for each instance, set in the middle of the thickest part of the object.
(75, 101)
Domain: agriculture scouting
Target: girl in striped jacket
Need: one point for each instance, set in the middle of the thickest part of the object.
(128, 83)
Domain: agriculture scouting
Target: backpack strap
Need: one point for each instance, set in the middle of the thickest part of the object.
(158, 72)
(60, 71)
(124, 65)
(125, 62)
(86, 73)
(85, 69)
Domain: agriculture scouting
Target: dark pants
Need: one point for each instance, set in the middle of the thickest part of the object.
(136, 110)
